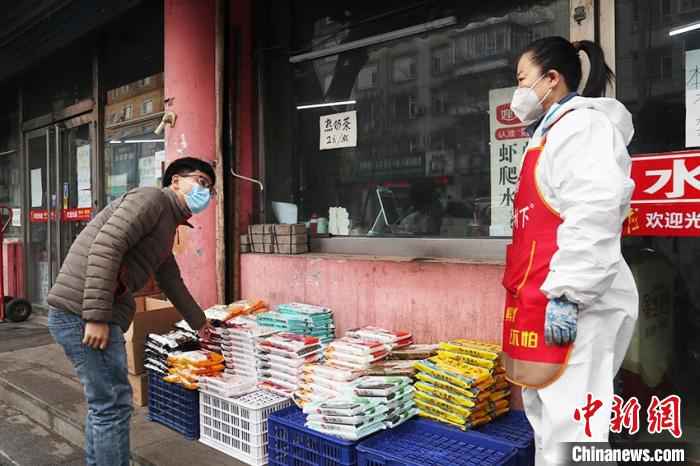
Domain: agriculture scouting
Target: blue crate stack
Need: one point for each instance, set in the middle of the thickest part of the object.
(513, 429)
(422, 442)
(173, 406)
(293, 444)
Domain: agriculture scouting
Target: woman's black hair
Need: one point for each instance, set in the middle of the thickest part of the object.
(557, 53)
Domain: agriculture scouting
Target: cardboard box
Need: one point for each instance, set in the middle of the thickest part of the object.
(139, 385)
(291, 248)
(156, 316)
(295, 229)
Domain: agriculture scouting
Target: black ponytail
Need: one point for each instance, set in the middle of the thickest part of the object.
(601, 75)
(557, 53)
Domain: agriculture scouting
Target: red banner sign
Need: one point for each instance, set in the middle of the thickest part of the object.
(67, 215)
(76, 215)
(40, 215)
(666, 199)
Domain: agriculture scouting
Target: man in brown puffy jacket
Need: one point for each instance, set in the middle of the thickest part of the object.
(91, 303)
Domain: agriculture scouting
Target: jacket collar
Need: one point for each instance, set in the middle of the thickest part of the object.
(530, 130)
(181, 212)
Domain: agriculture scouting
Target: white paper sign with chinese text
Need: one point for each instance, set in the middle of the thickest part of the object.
(338, 130)
(692, 98)
(508, 142)
(82, 157)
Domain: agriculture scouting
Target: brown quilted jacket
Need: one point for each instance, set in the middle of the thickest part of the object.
(125, 244)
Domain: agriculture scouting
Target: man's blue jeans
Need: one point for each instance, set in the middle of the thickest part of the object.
(103, 374)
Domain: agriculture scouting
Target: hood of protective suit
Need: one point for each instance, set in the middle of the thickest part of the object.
(618, 115)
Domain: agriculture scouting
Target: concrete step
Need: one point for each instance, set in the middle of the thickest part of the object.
(40, 383)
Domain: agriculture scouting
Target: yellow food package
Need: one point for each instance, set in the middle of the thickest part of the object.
(446, 395)
(443, 404)
(480, 421)
(437, 418)
(444, 385)
(473, 350)
(499, 395)
(478, 345)
(452, 376)
(434, 411)
(199, 358)
(478, 374)
(468, 359)
(499, 405)
(460, 367)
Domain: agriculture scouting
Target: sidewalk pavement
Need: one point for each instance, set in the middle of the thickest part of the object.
(40, 383)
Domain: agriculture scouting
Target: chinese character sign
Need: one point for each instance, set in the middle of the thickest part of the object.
(508, 143)
(338, 130)
(666, 199)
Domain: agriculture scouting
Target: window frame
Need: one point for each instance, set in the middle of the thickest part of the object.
(470, 249)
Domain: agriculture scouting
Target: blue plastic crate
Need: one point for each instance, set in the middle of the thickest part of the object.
(425, 443)
(292, 444)
(173, 406)
(513, 429)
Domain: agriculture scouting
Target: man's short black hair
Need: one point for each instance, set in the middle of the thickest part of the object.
(187, 165)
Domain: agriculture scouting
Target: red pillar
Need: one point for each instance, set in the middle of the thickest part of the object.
(242, 20)
(190, 27)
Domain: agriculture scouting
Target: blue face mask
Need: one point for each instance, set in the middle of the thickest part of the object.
(198, 198)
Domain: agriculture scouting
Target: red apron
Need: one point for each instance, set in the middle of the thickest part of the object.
(528, 360)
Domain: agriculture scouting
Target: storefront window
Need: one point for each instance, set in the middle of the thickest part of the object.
(132, 63)
(133, 152)
(657, 77)
(10, 179)
(419, 142)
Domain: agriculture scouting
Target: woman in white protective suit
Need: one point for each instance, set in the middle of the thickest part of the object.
(571, 301)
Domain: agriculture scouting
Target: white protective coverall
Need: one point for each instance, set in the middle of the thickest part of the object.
(584, 174)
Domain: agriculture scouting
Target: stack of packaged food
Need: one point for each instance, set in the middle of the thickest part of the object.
(360, 352)
(355, 353)
(186, 368)
(363, 407)
(159, 347)
(240, 337)
(402, 361)
(464, 385)
(321, 382)
(302, 319)
(281, 359)
(394, 340)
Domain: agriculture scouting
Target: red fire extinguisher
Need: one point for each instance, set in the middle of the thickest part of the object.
(12, 309)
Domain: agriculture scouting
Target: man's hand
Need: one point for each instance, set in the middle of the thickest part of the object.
(206, 331)
(96, 335)
(561, 320)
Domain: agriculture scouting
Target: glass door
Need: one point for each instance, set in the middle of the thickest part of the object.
(60, 195)
(75, 190)
(42, 263)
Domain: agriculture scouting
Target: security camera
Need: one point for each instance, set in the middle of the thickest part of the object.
(168, 118)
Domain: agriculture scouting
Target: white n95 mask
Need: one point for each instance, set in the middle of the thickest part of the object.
(526, 105)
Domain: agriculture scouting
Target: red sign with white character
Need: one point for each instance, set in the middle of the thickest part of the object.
(505, 115)
(666, 199)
